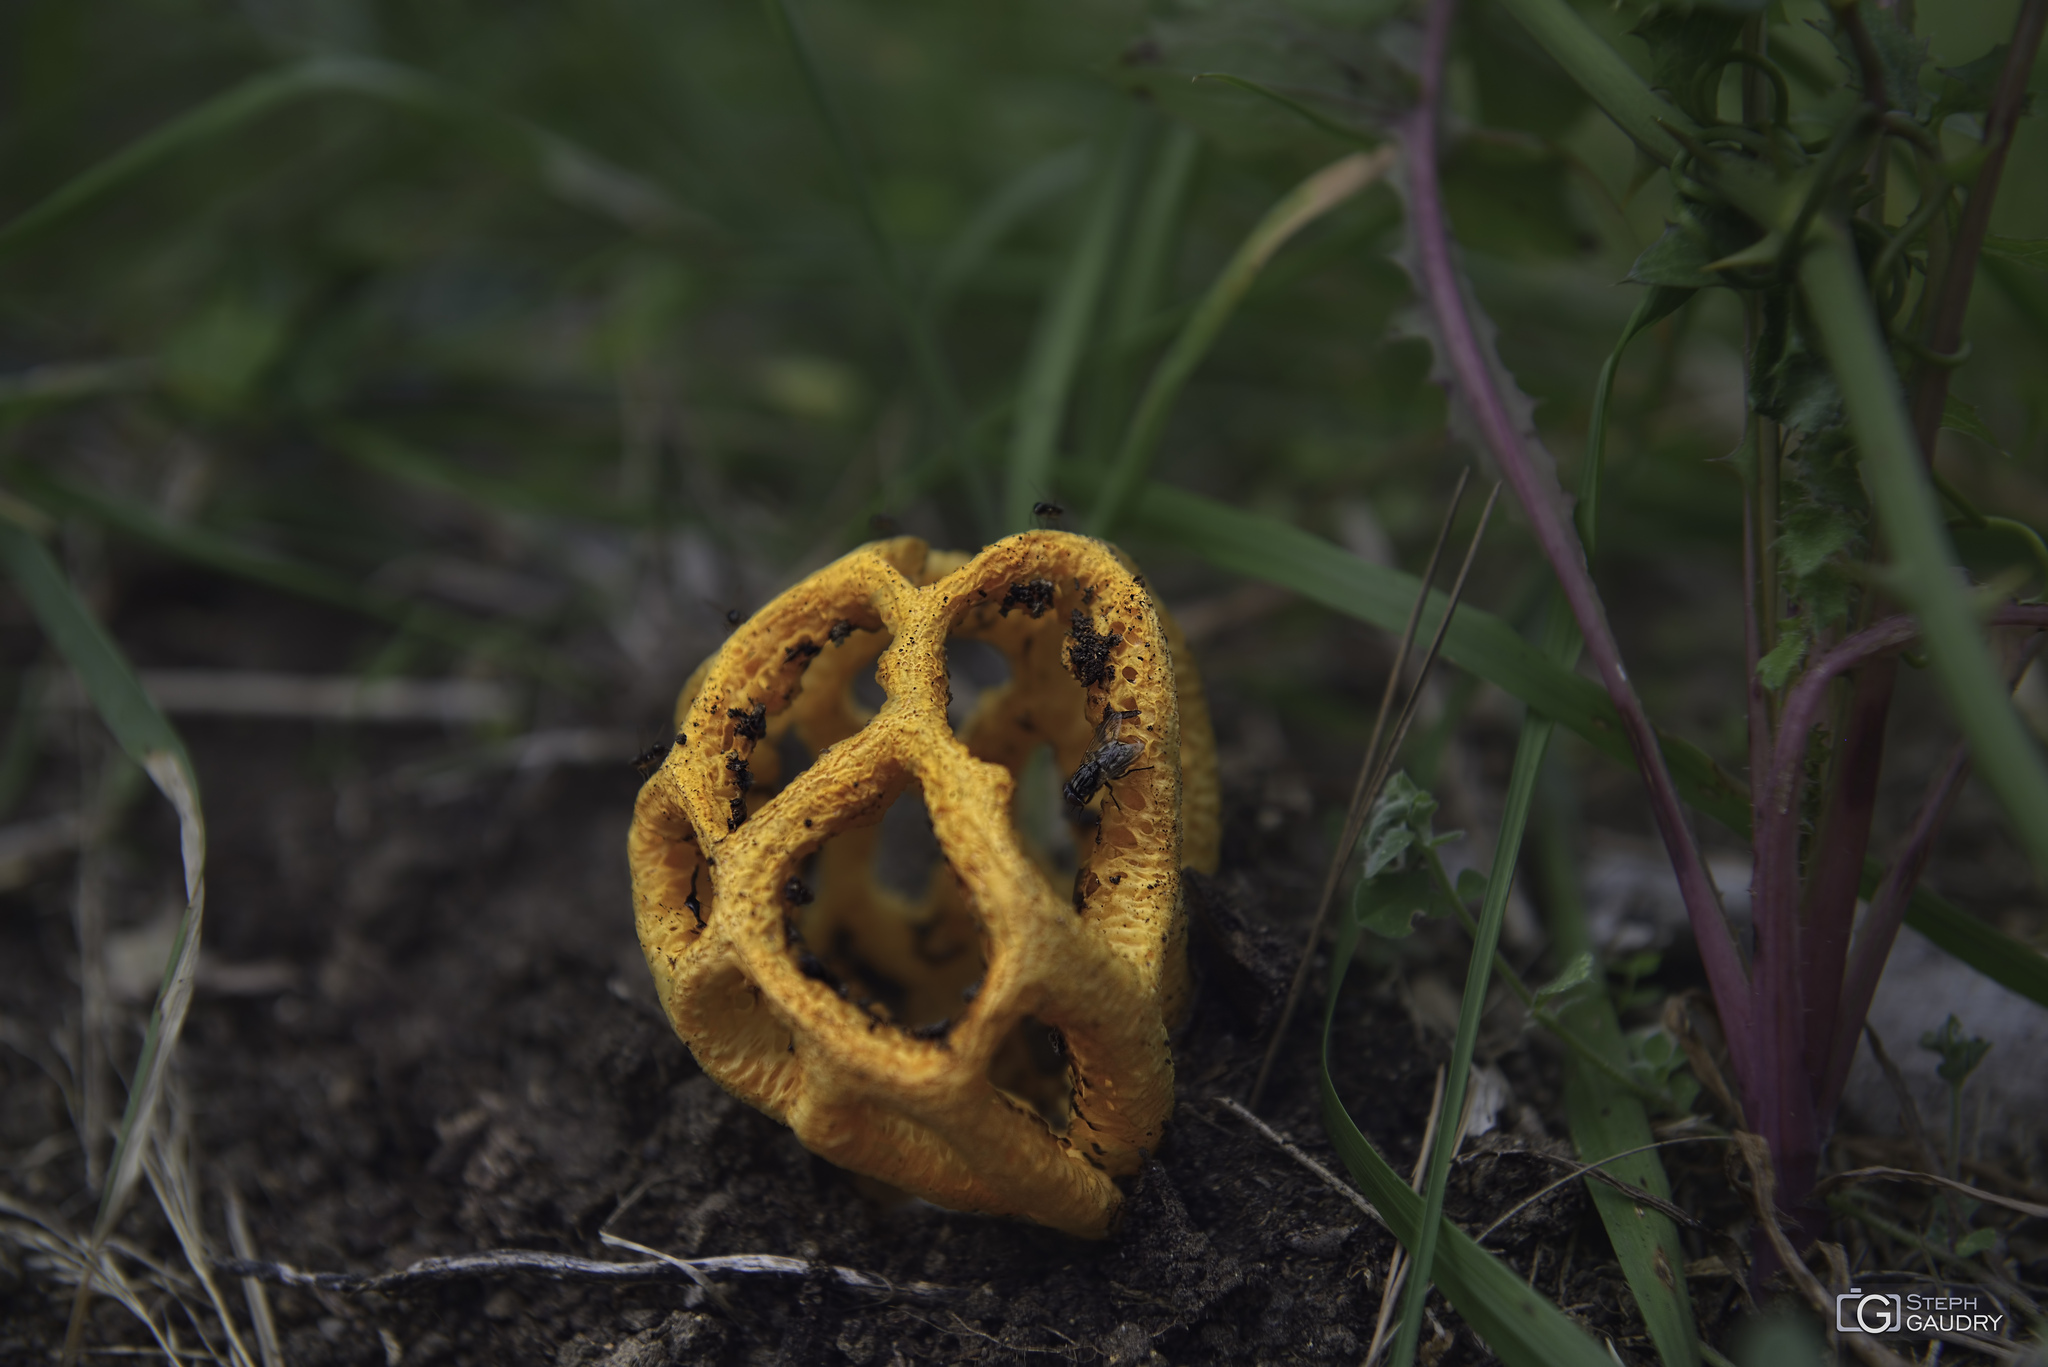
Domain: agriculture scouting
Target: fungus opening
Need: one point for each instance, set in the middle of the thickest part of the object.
(972, 669)
(872, 917)
(866, 690)
(907, 850)
(1030, 1067)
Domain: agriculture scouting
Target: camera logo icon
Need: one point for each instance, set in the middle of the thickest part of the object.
(1874, 1312)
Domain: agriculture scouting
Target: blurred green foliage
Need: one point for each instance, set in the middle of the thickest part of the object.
(494, 281)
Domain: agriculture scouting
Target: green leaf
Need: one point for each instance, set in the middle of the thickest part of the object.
(1960, 1054)
(1977, 1241)
(1684, 42)
(1967, 89)
(1388, 905)
(1567, 983)
(1958, 415)
(1901, 54)
(2020, 251)
(214, 358)
(1783, 659)
(1471, 885)
(1400, 820)
(148, 739)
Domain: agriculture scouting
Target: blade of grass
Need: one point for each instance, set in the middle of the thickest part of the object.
(150, 741)
(1144, 272)
(1012, 203)
(570, 172)
(1268, 549)
(925, 359)
(1521, 1327)
(1363, 794)
(1308, 201)
(1607, 1121)
(497, 641)
(1924, 572)
(1535, 737)
(1064, 326)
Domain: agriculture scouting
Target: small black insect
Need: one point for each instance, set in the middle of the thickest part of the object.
(650, 759)
(753, 721)
(805, 650)
(691, 904)
(934, 1030)
(733, 617)
(841, 629)
(1049, 514)
(795, 893)
(1088, 650)
(1033, 595)
(742, 776)
(736, 813)
(1107, 759)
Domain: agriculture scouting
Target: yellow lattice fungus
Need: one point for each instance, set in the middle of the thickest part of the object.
(996, 1041)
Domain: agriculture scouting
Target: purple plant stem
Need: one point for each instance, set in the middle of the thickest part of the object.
(1836, 875)
(1540, 500)
(1881, 927)
(1873, 945)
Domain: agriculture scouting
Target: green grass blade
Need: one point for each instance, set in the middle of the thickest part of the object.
(1039, 185)
(1535, 739)
(1923, 570)
(1265, 548)
(1603, 74)
(505, 644)
(1519, 1325)
(1314, 118)
(148, 739)
(925, 358)
(575, 175)
(2011, 963)
(1144, 273)
(1064, 327)
(1308, 201)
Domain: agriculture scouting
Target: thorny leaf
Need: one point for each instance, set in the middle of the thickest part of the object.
(1395, 886)
(1901, 54)
(1683, 43)
(1698, 237)
(1967, 89)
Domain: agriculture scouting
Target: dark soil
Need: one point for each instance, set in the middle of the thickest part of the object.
(457, 1050)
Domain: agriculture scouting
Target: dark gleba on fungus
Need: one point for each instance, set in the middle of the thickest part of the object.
(907, 1037)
